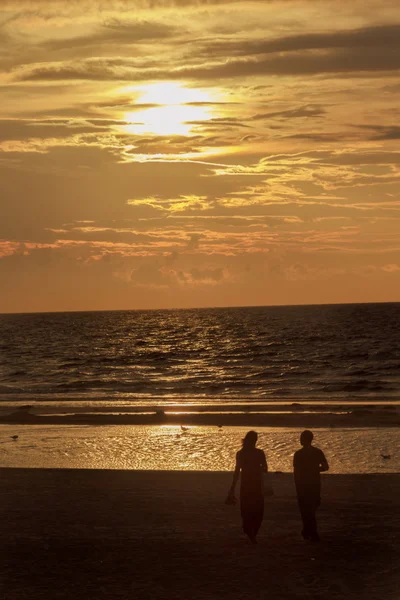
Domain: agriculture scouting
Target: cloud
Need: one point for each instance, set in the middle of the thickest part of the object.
(314, 63)
(222, 122)
(116, 32)
(194, 240)
(123, 5)
(315, 137)
(379, 36)
(165, 145)
(369, 50)
(294, 178)
(294, 113)
(361, 157)
(22, 129)
(97, 69)
(391, 268)
(383, 132)
(203, 276)
(331, 62)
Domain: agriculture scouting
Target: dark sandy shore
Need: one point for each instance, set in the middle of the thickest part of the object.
(295, 416)
(80, 534)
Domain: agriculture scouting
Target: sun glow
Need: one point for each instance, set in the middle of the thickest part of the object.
(170, 109)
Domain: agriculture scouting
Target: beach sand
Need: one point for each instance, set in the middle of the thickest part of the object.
(349, 416)
(97, 534)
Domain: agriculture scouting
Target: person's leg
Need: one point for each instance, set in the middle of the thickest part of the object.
(313, 520)
(249, 527)
(305, 517)
(246, 514)
(252, 511)
(258, 514)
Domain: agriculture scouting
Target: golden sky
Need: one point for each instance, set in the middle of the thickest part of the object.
(198, 153)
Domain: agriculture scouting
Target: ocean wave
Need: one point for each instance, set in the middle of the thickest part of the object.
(259, 352)
(359, 386)
(9, 389)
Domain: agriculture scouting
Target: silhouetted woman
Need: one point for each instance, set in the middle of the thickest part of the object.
(251, 463)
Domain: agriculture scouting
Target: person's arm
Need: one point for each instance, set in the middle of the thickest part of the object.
(295, 467)
(264, 464)
(323, 464)
(236, 474)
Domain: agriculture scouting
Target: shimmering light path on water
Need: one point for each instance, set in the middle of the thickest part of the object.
(297, 353)
(197, 448)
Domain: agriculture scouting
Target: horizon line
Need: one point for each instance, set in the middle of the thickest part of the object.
(78, 311)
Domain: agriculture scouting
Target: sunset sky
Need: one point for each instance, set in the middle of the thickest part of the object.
(180, 154)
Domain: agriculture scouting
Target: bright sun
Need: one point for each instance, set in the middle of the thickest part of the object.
(173, 109)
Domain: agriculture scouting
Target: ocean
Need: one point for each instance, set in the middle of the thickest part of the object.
(232, 360)
(218, 355)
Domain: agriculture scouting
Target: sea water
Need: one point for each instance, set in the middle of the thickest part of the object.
(296, 353)
(218, 359)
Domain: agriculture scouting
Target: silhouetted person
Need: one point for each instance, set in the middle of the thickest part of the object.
(308, 463)
(251, 464)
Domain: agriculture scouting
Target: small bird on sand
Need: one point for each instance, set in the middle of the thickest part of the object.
(386, 456)
(14, 437)
(184, 428)
(219, 426)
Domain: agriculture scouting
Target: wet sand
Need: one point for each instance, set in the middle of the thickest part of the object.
(168, 535)
(295, 415)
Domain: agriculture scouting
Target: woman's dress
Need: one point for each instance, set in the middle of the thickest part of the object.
(252, 462)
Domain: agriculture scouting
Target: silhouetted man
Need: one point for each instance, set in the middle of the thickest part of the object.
(308, 463)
